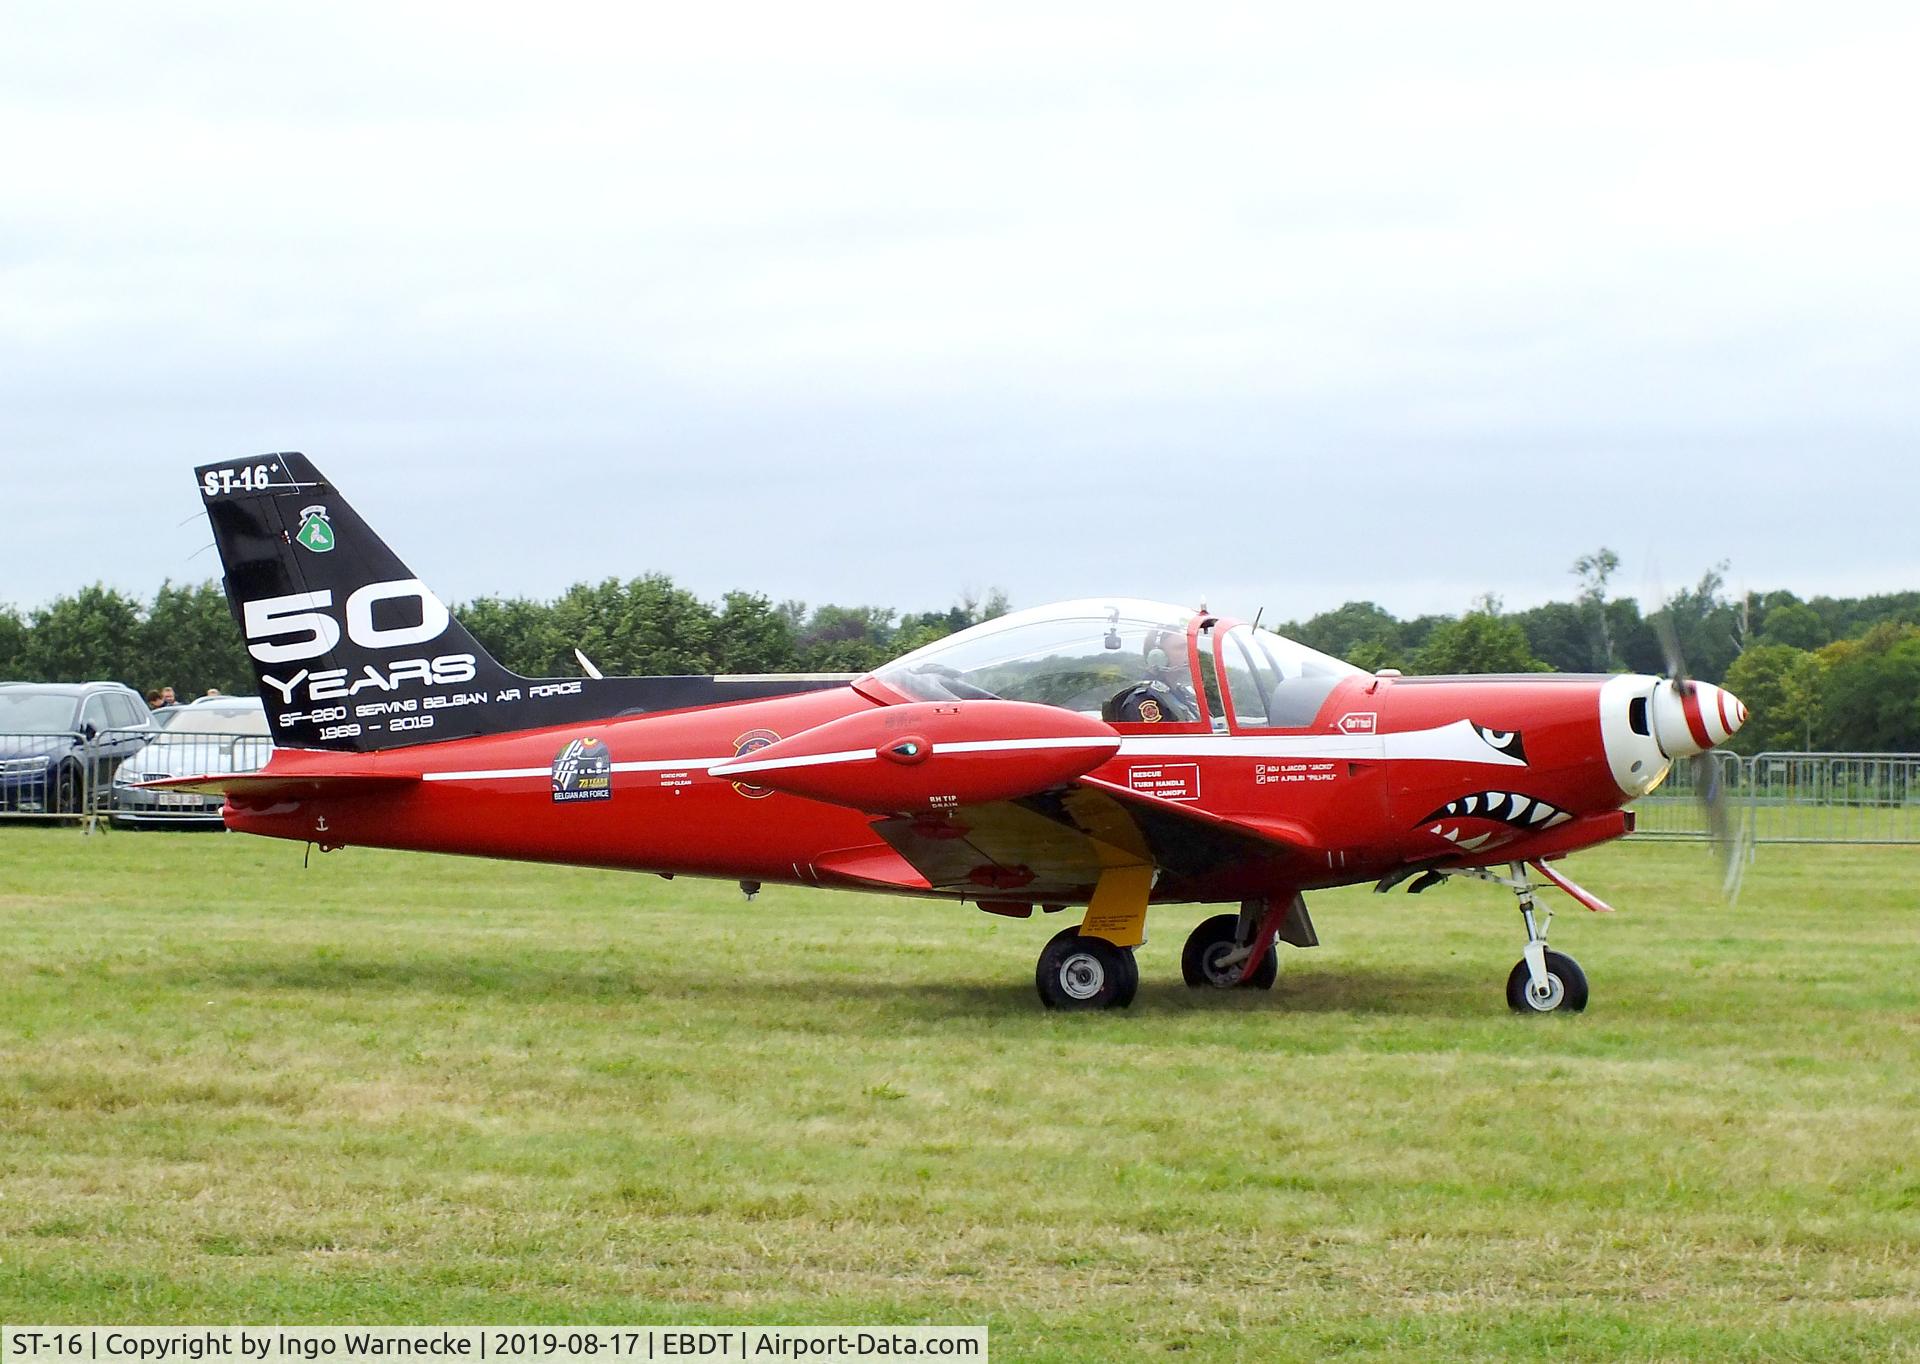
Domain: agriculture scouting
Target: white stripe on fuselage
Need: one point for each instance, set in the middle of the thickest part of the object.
(1458, 743)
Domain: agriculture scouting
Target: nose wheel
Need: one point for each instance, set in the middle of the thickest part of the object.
(1563, 987)
(1085, 973)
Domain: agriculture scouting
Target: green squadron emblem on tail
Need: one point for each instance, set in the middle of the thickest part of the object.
(315, 532)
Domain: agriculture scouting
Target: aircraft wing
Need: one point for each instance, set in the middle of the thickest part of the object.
(1055, 844)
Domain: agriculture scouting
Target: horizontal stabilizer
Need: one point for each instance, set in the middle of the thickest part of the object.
(259, 786)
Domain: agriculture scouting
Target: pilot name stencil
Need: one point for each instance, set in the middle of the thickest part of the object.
(1273, 774)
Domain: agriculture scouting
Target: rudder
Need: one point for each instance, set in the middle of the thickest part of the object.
(354, 652)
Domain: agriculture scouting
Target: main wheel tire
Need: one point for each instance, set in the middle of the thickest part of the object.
(1566, 987)
(1212, 940)
(1085, 973)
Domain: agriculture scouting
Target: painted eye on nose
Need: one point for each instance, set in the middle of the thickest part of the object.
(1506, 741)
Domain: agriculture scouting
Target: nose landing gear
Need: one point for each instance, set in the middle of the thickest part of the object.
(1541, 982)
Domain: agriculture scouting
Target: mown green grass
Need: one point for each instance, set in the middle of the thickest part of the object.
(393, 1088)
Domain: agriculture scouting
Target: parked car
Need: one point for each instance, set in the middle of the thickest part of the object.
(57, 738)
(212, 736)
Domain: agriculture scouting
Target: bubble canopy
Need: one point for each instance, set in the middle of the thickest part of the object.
(1124, 659)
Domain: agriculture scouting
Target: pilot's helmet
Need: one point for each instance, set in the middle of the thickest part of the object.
(1161, 649)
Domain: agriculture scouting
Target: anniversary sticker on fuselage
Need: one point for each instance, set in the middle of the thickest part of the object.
(582, 770)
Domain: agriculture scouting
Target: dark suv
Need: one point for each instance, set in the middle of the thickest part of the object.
(58, 740)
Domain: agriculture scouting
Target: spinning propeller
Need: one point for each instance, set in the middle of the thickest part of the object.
(1690, 719)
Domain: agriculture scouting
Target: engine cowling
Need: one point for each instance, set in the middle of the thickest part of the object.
(930, 755)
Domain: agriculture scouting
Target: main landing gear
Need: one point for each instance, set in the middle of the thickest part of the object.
(1080, 969)
(1077, 972)
(1240, 951)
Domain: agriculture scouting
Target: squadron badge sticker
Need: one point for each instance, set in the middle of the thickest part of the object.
(316, 532)
(582, 770)
(745, 744)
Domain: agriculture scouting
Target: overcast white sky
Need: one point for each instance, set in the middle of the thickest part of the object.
(1279, 307)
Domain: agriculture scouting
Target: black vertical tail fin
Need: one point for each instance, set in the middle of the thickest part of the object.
(353, 652)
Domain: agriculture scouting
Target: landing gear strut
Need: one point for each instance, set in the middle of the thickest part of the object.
(1216, 956)
(1541, 982)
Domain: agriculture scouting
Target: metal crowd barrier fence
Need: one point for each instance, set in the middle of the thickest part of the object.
(1834, 798)
(46, 776)
(1675, 809)
(84, 778)
(1795, 798)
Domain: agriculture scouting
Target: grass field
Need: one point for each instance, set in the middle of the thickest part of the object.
(393, 1088)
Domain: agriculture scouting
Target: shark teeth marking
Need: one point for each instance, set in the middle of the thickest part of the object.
(1512, 808)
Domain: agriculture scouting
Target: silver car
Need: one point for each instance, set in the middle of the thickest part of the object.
(213, 736)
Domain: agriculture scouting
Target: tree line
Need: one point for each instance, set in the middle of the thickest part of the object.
(1826, 673)
(186, 637)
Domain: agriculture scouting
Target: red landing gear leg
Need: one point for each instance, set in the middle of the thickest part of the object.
(1232, 951)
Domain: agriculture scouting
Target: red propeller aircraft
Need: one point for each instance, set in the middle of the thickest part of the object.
(1108, 753)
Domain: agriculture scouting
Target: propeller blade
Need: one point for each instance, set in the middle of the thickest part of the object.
(1728, 832)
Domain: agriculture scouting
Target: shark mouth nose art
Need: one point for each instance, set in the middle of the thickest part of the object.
(1511, 808)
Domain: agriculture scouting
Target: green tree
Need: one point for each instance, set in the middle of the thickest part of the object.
(642, 627)
(1795, 624)
(1780, 686)
(94, 634)
(1705, 625)
(1594, 571)
(846, 639)
(1851, 617)
(189, 642)
(1635, 642)
(13, 643)
(1872, 692)
(520, 634)
(1559, 634)
(1478, 642)
(1362, 632)
(751, 635)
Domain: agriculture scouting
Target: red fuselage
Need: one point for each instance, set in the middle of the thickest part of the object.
(1392, 771)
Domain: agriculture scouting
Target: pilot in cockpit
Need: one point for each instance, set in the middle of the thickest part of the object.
(1164, 695)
